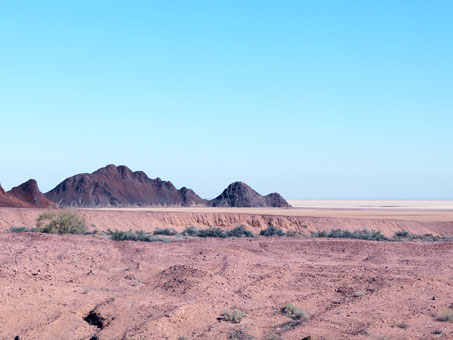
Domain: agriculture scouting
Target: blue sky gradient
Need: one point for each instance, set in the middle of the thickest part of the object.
(313, 99)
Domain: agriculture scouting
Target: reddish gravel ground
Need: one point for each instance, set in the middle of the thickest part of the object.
(134, 290)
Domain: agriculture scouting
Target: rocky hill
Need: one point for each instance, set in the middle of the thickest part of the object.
(26, 195)
(239, 194)
(118, 186)
(29, 193)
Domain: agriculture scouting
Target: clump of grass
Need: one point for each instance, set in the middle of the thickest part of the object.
(213, 232)
(191, 231)
(446, 316)
(272, 231)
(21, 230)
(240, 231)
(234, 316)
(359, 293)
(407, 236)
(64, 222)
(294, 312)
(364, 234)
(134, 236)
(240, 334)
(166, 231)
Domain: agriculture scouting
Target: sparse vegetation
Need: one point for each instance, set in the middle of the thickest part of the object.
(446, 316)
(213, 232)
(64, 222)
(190, 231)
(404, 235)
(402, 325)
(239, 334)
(240, 231)
(364, 234)
(234, 316)
(166, 231)
(294, 312)
(134, 236)
(21, 230)
(401, 233)
(272, 231)
(359, 293)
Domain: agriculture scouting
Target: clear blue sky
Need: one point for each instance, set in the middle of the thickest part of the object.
(313, 99)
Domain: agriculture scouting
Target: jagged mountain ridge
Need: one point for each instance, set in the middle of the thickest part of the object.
(118, 186)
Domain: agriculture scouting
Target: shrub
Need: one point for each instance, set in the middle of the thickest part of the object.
(272, 231)
(213, 232)
(240, 231)
(364, 234)
(166, 231)
(401, 233)
(190, 231)
(402, 325)
(133, 236)
(446, 316)
(64, 222)
(234, 316)
(239, 334)
(294, 312)
(21, 230)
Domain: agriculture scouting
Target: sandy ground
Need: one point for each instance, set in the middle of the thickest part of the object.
(351, 289)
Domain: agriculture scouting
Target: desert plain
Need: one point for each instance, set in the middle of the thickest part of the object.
(90, 287)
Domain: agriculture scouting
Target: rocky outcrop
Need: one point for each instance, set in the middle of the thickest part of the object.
(118, 186)
(239, 194)
(26, 195)
(30, 194)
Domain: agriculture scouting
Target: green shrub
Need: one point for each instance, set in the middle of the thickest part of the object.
(234, 316)
(213, 232)
(401, 233)
(166, 231)
(190, 231)
(272, 231)
(364, 234)
(21, 230)
(64, 222)
(240, 231)
(294, 312)
(134, 236)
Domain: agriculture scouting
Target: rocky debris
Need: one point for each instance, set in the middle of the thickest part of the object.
(29, 193)
(118, 186)
(239, 194)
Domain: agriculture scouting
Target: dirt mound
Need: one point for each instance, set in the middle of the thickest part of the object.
(118, 186)
(239, 194)
(29, 193)
(93, 288)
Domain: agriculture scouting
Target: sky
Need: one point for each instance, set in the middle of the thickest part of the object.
(312, 99)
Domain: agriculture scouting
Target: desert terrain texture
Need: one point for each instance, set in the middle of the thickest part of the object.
(90, 287)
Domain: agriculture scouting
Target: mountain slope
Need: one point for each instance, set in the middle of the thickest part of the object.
(30, 194)
(239, 194)
(118, 186)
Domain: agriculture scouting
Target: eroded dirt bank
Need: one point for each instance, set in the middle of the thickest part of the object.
(438, 224)
(133, 290)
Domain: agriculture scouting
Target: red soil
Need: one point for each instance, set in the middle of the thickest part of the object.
(351, 289)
